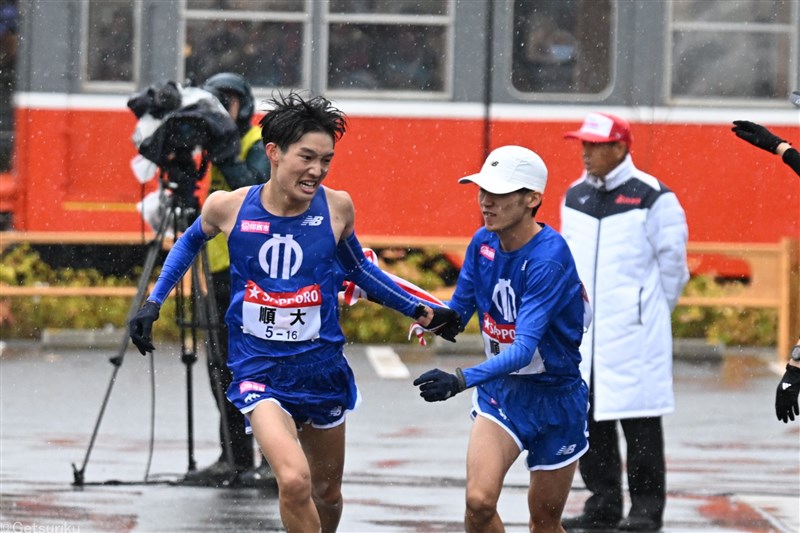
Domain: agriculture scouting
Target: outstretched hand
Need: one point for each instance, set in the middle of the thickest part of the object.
(786, 396)
(140, 327)
(445, 323)
(437, 385)
(757, 135)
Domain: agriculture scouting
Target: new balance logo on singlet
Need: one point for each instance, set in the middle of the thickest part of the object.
(312, 220)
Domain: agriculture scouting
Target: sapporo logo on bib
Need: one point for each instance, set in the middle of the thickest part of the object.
(282, 316)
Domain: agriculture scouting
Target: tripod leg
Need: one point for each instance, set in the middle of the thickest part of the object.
(212, 322)
(186, 316)
(155, 248)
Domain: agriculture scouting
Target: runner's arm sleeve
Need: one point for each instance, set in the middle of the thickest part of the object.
(178, 261)
(463, 300)
(361, 271)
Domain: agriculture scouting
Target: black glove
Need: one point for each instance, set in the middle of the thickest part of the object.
(437, 385)
(141, 327)
(757, 135)
(786, 396)
(446, 323)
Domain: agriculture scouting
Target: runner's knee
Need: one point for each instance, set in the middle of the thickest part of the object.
(327, 492)
(294, 486)
(481, 505)
(545, 518)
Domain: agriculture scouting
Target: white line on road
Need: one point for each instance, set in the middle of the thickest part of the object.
(387, 363)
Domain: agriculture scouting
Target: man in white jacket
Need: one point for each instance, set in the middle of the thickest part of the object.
(628, 234)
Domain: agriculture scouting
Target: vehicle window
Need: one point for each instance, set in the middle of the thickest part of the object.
(562, 46)
(384, 45)
(732, 48)
(110, 41)
(261, 40)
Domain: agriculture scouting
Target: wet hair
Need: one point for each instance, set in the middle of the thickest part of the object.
(291, 117)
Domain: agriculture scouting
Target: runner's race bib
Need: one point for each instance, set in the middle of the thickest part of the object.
(498, 337)
(282, 316)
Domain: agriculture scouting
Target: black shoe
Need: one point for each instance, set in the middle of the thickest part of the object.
(218, 475)
(259, 477)
(589, 522)
(639, 523)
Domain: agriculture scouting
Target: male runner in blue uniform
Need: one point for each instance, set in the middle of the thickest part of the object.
(291, 243)
(519, 276)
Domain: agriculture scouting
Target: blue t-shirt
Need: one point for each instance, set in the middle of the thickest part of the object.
(530, 303)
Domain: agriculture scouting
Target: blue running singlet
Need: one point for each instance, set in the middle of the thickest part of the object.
(284, 285)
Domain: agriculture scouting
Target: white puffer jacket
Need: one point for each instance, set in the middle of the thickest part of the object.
(628, 238)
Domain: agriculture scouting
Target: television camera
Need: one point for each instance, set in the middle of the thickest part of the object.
(175, 123)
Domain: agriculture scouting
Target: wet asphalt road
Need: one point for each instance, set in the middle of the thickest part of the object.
(731, 465)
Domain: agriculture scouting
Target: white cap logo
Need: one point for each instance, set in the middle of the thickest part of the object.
(597, 125)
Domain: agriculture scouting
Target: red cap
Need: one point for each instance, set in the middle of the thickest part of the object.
(602, 128)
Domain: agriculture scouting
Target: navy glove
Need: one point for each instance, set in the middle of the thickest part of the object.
(757, 135)
(437, 385)
(141, 327)
(786, 396)
(446, 323)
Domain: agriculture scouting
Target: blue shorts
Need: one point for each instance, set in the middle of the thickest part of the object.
(549, 421)
(316, 389)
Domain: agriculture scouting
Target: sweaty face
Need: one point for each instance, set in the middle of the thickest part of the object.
(601, 158)
(304, 164)
(502, 212)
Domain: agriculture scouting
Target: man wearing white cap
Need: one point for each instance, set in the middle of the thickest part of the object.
(519, 276)
(628, 234)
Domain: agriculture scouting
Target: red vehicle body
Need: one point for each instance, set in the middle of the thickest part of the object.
(72, 166)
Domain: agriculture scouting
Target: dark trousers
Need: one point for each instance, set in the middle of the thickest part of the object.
(241, 443)
(601, 468)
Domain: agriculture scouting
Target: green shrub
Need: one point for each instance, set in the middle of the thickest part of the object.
(26, 318)
(364, 322)
(734, 326)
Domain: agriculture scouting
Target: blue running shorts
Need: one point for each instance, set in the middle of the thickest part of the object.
(316, 389)
(549, 421)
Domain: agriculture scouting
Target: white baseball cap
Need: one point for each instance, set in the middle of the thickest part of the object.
(509, 169)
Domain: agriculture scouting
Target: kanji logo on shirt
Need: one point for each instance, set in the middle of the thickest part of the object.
(505, 299)
(280, 256)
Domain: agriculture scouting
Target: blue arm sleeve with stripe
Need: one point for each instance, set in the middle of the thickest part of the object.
(358, 269)
(178, 261)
